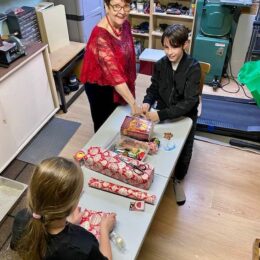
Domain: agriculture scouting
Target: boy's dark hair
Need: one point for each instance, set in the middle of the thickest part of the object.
(177, 34)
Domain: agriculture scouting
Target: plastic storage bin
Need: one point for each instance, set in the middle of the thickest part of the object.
(25, 24)
(129, 147)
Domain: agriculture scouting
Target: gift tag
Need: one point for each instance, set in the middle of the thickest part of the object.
(137, 206)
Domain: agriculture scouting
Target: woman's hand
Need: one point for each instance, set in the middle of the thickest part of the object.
(145, 108)
(136, 110)
(107, 223)
(153, 116)
(76, 216)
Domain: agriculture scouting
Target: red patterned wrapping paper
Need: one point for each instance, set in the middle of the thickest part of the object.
(91, 221)
(122, 190)
(109, 163)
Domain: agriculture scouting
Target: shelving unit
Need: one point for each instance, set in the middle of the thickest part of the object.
(136, 18)
(153, 38)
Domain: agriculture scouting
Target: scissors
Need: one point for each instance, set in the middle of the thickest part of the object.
(137, 169)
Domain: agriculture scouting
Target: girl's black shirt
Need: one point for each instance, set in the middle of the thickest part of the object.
(73, 242)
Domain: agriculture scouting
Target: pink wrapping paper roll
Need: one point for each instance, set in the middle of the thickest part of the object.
(121, 190)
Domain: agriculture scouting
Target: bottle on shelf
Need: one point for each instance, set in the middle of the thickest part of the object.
(192, 8)
(140, 6)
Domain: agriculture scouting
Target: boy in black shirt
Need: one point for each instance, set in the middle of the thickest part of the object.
(176, 89)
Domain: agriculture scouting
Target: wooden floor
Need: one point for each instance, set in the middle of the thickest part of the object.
(221, 217)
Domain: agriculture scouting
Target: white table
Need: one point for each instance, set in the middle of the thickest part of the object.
(152, 55)
(132, 225)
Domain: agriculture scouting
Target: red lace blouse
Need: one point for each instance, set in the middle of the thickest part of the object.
(109, 61)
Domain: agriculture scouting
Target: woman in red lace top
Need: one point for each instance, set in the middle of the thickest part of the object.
(108, 70)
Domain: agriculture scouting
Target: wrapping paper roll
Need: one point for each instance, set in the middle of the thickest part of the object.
(122, 190)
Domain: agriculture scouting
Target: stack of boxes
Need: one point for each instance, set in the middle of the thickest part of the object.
(23, 23)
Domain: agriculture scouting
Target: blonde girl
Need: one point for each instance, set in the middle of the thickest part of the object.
(47, 228)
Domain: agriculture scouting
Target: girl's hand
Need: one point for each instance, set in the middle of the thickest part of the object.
(76, 216)
(153, 116)
(107, 223)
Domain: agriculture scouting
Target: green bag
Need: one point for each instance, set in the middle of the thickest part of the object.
(249, 75)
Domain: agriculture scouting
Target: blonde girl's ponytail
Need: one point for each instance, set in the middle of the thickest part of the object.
(54, 191)
(33, 244)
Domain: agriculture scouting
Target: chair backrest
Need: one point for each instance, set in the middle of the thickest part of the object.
(205, 69)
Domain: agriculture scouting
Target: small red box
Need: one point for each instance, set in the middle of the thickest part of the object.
(146, 67)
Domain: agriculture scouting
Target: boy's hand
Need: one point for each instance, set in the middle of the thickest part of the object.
(153, 116)
(76, 216)
(145, 107)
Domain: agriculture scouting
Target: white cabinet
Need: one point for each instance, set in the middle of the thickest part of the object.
(28, 100)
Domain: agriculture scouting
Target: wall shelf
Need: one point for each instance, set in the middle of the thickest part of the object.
(187, 17)
(140, 34)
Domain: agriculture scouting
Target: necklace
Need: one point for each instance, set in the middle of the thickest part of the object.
(118, 34)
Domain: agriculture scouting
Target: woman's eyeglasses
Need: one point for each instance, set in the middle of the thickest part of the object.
(118, 8)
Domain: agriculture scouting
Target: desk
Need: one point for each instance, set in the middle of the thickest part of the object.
(62, 62)
(147, 59)
(132, 225)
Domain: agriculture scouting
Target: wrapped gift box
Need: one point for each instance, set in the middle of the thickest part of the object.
(138, 128)
(125, 169)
